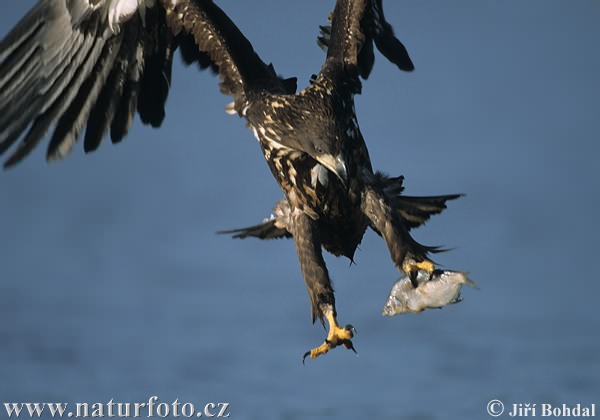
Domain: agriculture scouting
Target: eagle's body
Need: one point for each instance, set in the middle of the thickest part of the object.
(93, 64)
(322, 110)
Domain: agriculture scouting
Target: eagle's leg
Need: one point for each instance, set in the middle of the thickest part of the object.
(408, 255)
(316, 277)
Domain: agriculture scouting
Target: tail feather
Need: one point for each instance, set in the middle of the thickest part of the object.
(415, 211)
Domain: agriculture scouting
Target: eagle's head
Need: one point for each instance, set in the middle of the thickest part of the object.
(335, 163)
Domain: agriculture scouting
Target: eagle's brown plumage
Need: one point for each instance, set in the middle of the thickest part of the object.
(78, 64)
(316, 152)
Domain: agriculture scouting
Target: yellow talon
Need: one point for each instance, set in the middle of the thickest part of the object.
(335, 337)
(411, 266)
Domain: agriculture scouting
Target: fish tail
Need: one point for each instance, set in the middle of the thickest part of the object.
(468, 281)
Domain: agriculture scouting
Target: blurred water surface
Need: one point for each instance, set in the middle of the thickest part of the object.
(113, 283)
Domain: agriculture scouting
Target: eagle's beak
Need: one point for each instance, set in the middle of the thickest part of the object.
(335, 164)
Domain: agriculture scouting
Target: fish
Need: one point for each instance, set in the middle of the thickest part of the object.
(434, 290)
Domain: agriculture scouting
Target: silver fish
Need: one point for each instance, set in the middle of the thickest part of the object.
(434, 290)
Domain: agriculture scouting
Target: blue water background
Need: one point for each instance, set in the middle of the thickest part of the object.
(113, 283)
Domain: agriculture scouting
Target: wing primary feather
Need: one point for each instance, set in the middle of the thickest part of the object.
(63, 65)
(386, 41)
(73, 120)
(125, 111)
(61, 55)
(127, 103)
(156, 78)
(64, 89)
(18, 65)
(104, 109)
(366, 59)
(359, 24)
(20, 44)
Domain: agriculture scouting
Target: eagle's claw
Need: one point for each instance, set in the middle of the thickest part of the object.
(347, 343)
(337, 336)
(411, 267)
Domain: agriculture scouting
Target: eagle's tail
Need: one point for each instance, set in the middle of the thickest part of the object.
(414, 211)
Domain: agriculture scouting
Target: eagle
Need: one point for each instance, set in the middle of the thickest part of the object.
(94, 64)
(316, 152)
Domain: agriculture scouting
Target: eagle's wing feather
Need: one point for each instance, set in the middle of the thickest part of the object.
(34, 66)
(278, 225)
(383, 34)
(77, 114)
(74, 63)
(238, 65)
(156, 72)
(54, 95)
(95, 63)
(264, 230)
(363, 23)
(105, 107)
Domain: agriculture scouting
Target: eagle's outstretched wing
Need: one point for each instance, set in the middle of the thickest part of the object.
(363, 23)
(80, 63)
(75, 64)
(238, 65)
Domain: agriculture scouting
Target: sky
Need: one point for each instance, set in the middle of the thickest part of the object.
(114, 283)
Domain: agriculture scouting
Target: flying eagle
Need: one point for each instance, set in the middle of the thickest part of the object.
(75, 64)
(316, 152)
